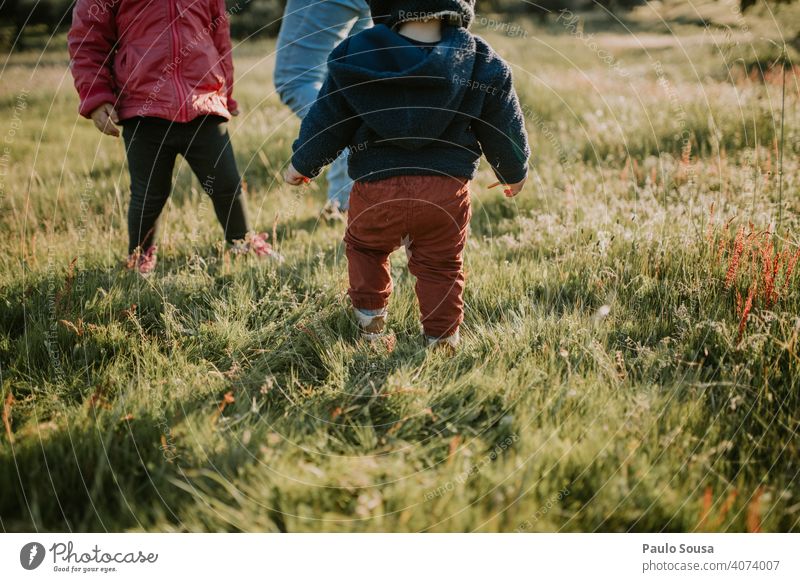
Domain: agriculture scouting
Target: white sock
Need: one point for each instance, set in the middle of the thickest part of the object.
(365, 318)
(452, 340)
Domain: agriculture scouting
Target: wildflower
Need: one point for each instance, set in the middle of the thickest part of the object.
(733, 264)
(789, 269)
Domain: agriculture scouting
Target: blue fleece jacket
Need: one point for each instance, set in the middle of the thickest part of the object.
(405, 110)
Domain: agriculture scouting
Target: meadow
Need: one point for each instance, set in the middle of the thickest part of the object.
(630, 357)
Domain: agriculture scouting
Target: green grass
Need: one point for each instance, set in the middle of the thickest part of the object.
(551, 418)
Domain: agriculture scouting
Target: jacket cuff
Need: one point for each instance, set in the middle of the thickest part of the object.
(94, 99)
(512, 176)
(232, 104)
(306, 169)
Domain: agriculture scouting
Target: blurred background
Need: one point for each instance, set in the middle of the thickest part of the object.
(25, 20)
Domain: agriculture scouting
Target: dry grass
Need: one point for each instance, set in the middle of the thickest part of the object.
(603, 339)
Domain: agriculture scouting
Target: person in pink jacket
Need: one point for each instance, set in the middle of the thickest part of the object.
(163, 71)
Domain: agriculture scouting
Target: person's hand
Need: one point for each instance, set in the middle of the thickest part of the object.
(104, 118)
(511, 190)
(235, 112)
(293, 177)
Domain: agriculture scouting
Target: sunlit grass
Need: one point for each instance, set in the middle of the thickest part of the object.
(600, 340)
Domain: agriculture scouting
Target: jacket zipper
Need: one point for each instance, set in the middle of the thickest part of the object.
(176, 60)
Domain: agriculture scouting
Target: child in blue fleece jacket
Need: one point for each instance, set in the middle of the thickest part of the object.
(417, 99)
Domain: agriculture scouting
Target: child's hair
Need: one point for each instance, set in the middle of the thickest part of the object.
(394, 12)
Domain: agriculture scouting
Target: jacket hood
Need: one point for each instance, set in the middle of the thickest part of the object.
(404, 93)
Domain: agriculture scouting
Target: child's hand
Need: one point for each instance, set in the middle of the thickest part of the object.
(293, 177)
(104, 118)
(511, 190)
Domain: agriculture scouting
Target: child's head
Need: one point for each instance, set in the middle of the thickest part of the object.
(395, 12)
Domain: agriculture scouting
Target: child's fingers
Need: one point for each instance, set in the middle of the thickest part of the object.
(295, 179)
(103, 122)
(292, 180)
(104, 118)
(100, 122)
(110, 128)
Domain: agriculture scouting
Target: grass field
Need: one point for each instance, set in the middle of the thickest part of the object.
(630, 359)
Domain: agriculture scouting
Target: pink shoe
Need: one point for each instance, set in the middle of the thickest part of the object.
(256, 244)
(143, 261)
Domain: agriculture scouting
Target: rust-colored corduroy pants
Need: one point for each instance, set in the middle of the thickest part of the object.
(429, 215)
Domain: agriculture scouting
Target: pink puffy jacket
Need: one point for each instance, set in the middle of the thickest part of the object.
(153, 58)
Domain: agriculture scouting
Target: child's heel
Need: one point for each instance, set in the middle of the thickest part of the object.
(371, 322)
(448, 345)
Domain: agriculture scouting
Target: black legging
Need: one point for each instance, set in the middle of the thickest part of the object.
(153, 144)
